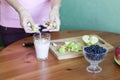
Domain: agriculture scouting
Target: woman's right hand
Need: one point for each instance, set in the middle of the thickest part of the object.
(26, 22)
(25, 17)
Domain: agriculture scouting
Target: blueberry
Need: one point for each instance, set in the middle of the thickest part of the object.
(95, 52)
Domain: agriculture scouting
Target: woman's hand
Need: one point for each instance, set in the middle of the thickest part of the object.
(55, 19)
(27, 22)
(25, 18)
(54, 23)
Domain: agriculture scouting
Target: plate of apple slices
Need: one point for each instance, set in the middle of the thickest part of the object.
(117, 55)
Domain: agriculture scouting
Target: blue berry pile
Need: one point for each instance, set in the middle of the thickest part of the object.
(95, 52)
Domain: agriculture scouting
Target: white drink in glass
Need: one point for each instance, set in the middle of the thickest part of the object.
(41, 44)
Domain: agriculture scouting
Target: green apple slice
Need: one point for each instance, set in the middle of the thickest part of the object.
(90, 40)
(54, 44)
(70, 46)
(62, 50)
(55, 25)
(48, 24)
(93, 40)
(35, 28)
(86, 39)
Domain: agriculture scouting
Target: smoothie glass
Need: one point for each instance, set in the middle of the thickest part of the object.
(41, 44)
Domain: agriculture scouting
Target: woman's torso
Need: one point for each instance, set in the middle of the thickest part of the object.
(39, 10)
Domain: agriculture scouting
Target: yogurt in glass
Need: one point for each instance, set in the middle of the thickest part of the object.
(41, 44)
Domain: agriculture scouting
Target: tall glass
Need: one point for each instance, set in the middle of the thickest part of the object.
(41, 44)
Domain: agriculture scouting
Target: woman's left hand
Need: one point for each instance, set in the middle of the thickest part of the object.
(54, 21)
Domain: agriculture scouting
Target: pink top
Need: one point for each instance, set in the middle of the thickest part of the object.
(39, 10)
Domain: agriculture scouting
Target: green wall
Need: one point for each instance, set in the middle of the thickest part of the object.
(103, 15)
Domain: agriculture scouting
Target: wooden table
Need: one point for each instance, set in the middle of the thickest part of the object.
(19, 63)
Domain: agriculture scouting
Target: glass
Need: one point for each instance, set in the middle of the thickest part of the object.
(41, 44)
(94, 60)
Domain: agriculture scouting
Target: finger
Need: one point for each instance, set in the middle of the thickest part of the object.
(52, 18)
(31, 31)
(58, 22)
(45, 30)
(34, 28)
(27, 26)
(53, 30)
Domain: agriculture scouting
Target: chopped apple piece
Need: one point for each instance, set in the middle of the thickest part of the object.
(70, 46)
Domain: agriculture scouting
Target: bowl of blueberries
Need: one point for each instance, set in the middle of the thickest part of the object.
(94, 54)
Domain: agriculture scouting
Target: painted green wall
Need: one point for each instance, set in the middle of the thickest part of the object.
(103, 15)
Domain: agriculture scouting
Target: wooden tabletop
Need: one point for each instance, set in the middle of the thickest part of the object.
(19, 63)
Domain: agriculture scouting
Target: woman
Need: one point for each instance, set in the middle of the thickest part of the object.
(18, 15)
